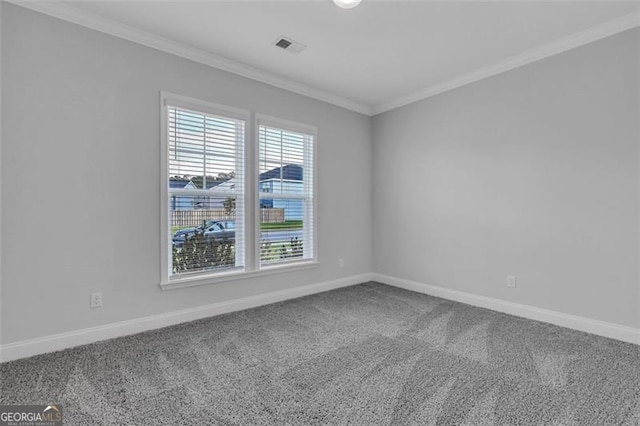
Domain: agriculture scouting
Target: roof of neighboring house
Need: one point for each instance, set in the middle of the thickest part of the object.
(289, 172)
(182, 183)
(178, 184)
(224, 186)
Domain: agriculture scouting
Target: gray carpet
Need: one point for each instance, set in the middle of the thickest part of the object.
(366, 355)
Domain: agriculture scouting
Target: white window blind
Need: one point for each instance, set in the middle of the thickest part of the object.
(237, 196)
(285, 187)
(206, 213)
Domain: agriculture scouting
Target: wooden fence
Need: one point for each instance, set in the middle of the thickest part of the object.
(190, 218)
(271, 215)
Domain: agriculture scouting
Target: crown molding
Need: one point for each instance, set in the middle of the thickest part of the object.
(578, 39)
(71, 14)
(95, 22)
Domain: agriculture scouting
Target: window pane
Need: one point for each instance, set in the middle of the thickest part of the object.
(281, 161)
(203, 149)
(282, 230)
(285, 185)
(206, 212)
(205, 238)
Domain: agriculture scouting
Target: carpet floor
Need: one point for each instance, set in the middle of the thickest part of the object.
(364, 355)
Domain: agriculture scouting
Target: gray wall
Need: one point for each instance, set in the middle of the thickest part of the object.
(81, 177)
(533, 172)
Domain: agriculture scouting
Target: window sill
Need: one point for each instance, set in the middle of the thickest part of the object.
(236, 275)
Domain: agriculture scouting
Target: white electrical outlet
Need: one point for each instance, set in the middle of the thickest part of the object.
(341, 263)
(511, 281)
(96, 300)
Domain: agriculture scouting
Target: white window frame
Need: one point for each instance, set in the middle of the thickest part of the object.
(251, 195)
(310, 229)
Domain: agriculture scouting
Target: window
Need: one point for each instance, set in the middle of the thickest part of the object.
(285, 164)
(233, 204)
(206, 191)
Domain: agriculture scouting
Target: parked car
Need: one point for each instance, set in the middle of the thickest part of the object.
(206, 224)
(183, 235)
(212, 229)
(220, 230)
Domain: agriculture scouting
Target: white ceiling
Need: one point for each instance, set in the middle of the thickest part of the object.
(376, 56)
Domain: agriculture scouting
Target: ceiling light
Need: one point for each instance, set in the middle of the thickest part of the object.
(347, 4)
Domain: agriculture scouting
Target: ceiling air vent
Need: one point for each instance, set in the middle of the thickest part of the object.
(289, 45)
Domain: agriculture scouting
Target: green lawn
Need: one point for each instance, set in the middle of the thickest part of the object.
(287, 224)
(278, 226)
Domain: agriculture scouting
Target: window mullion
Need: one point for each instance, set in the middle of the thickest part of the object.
(204, 152)
(251, 206)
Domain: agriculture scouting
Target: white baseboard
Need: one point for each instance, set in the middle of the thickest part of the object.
(601, 328)
(71, 339)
